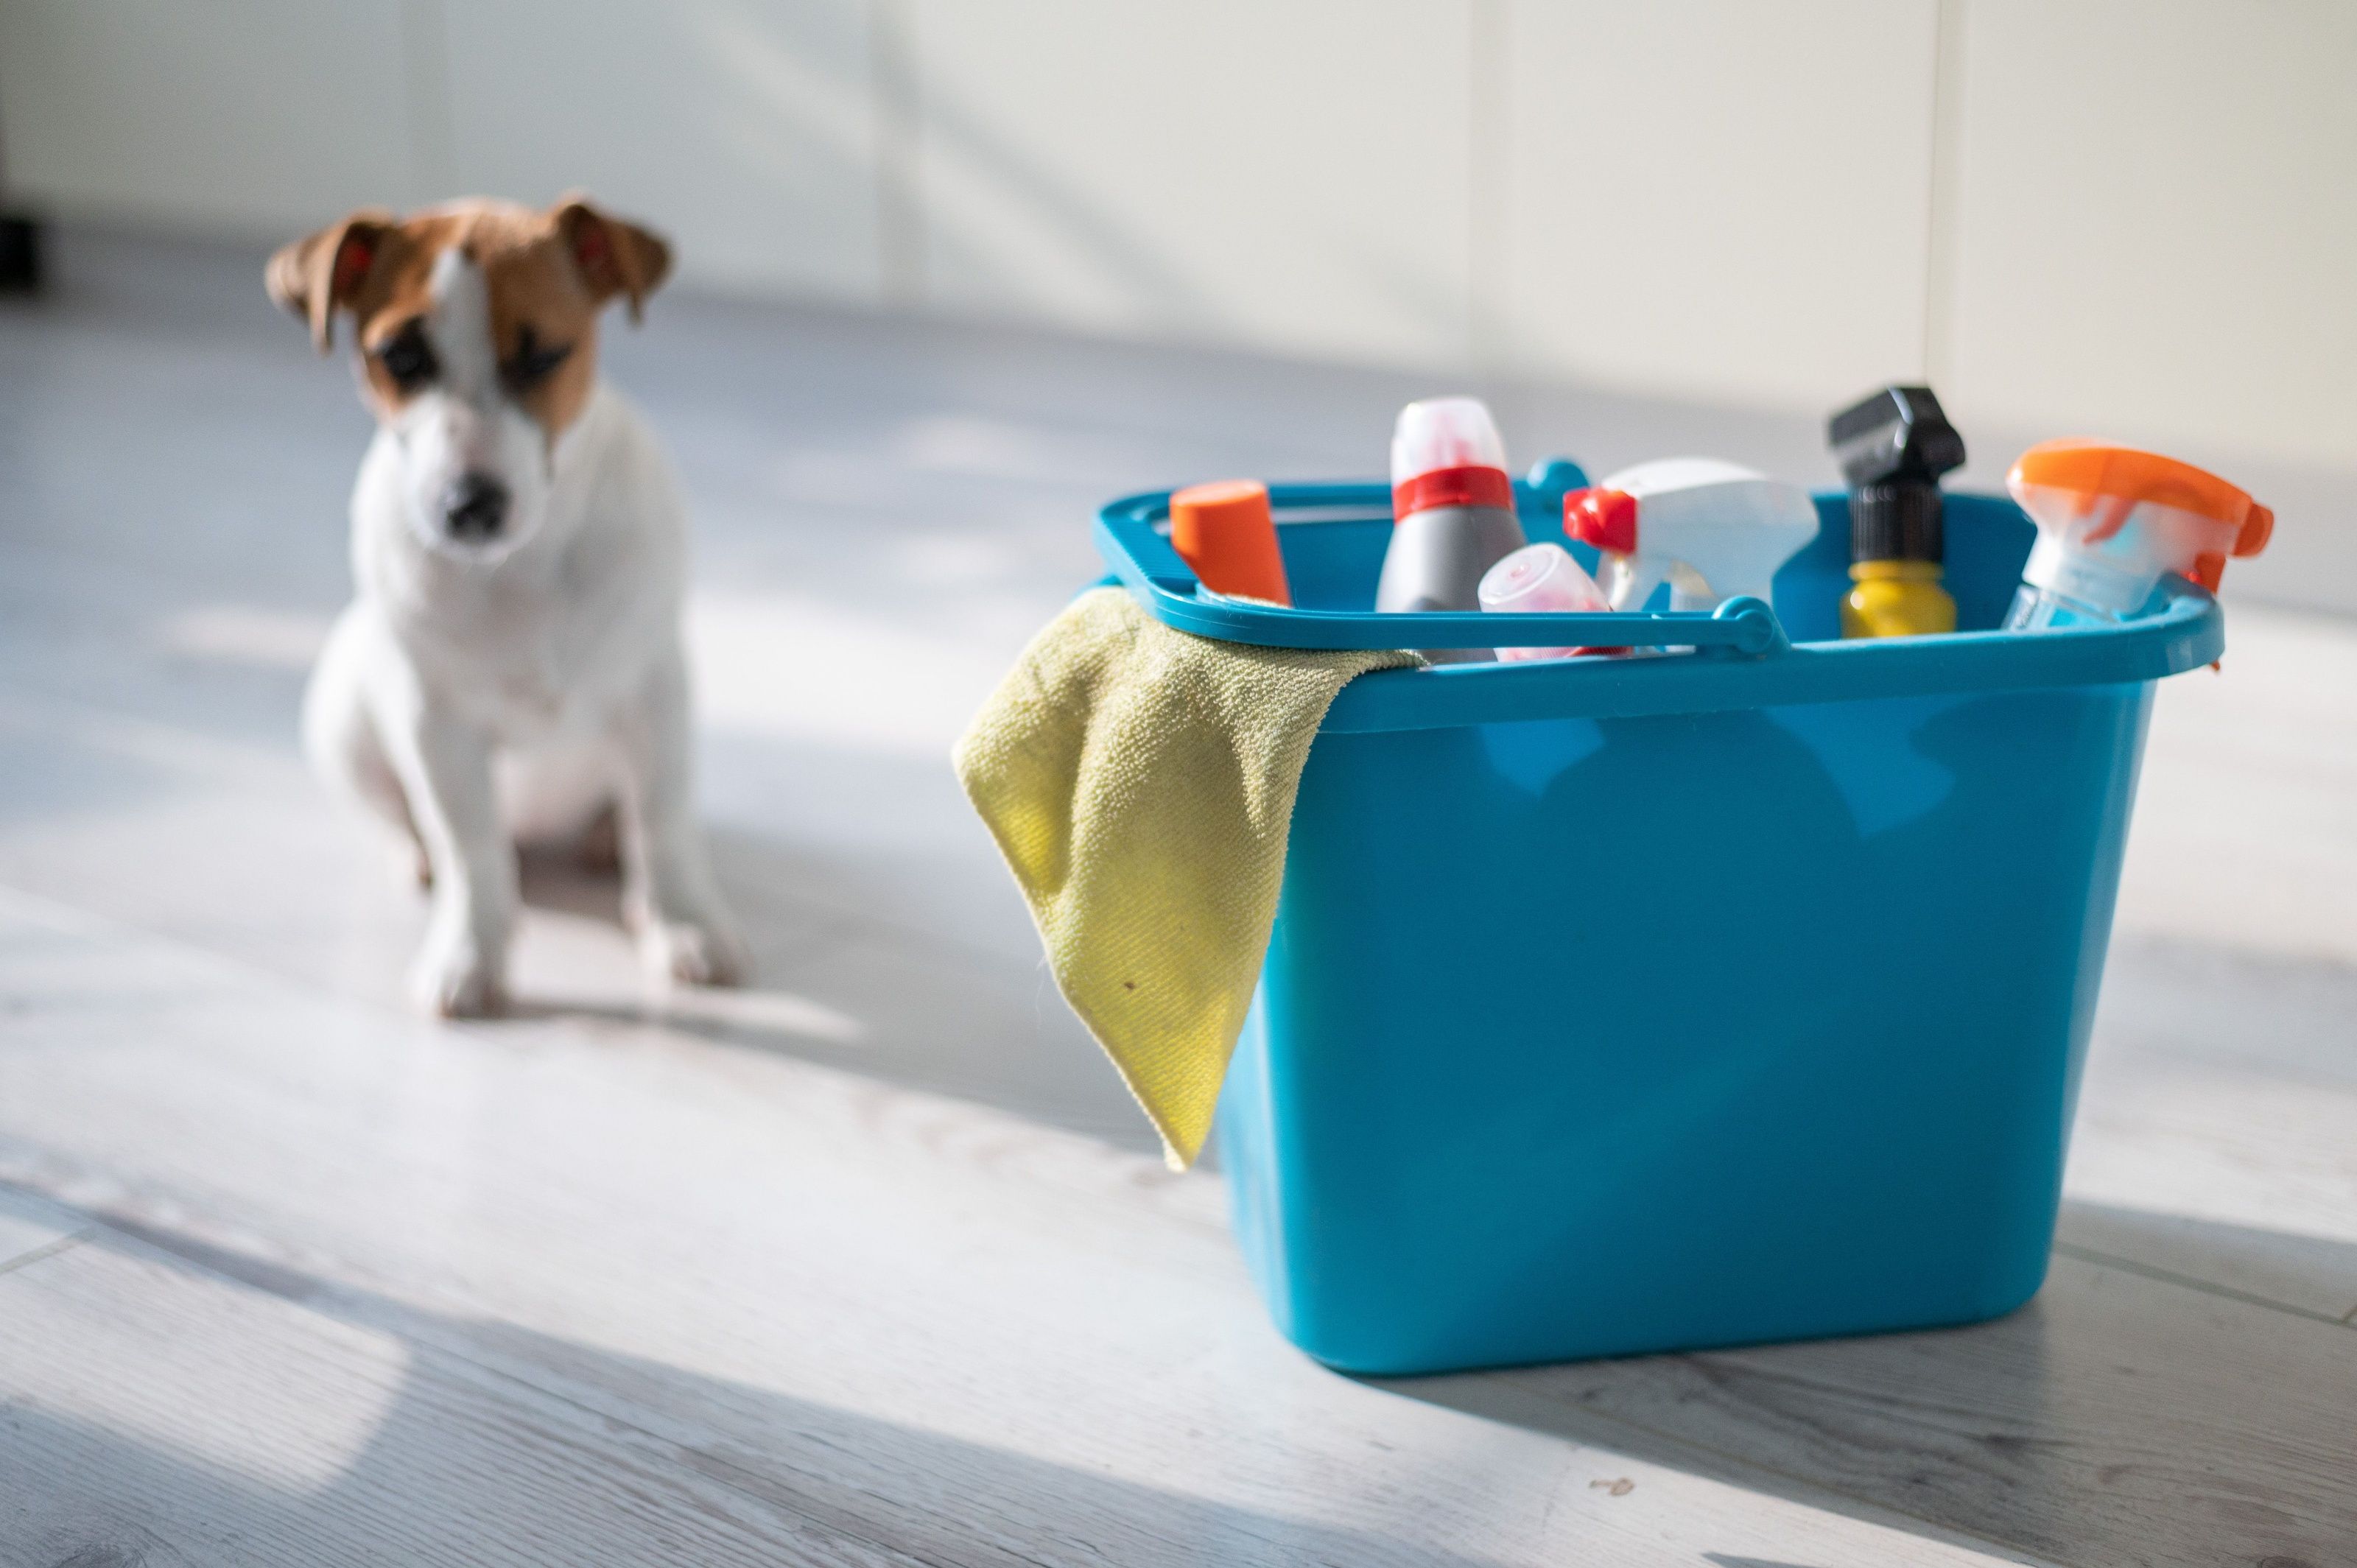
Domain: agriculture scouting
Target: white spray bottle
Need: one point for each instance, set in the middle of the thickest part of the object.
(1712, 530)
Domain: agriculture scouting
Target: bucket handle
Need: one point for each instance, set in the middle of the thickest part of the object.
(1742, 627)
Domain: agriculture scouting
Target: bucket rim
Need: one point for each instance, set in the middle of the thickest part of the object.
(1740, 658)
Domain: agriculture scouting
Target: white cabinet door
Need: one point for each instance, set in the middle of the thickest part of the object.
(743, 129)
(2155, 230)
(1716, 199)
(259, 118)
(1285, 174)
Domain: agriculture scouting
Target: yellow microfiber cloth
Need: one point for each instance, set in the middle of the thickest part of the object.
(1140, 782)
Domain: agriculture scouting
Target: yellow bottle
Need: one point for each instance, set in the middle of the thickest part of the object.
(1892, 448)
(1897, 599)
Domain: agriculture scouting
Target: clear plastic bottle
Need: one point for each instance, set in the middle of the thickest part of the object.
(2111, 521)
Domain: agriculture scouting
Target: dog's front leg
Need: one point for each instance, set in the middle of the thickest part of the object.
(444, 767)
(669, 896)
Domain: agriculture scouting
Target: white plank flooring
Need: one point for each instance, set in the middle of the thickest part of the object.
(190, 1419)
(873, 1264)
(31, 1229)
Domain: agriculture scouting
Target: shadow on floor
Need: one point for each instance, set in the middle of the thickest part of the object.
(497, 1435)
(866, 993)
(1985, 1430)
(2310, 1276)
(1989, 1447)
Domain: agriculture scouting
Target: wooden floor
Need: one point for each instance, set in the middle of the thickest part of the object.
(874, 1264)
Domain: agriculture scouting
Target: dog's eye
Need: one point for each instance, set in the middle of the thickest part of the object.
(532, 359)
(408, 359)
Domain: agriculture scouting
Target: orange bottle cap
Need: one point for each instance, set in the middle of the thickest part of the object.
(2094, 471)
(1225, 531)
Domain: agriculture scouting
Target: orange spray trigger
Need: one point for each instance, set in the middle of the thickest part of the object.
(2257, 528)
(2112, 519)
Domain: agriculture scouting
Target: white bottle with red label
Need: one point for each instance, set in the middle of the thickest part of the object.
(1452, 511)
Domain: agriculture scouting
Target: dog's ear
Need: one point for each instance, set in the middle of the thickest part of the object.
(613, 257)
(317, 275)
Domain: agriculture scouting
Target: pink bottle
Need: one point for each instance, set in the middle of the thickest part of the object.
(1538, 579)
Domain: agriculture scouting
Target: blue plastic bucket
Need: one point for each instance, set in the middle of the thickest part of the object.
(1641, 1004)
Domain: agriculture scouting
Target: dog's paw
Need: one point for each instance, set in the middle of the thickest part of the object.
(454, 979)
(694, 953)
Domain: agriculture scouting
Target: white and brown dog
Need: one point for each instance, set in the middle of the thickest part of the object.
(511, 665)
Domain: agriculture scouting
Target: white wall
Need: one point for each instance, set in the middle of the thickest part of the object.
(1284, 174)
(2155, 221)
(259, 115)
(1717, 198)
(747, 128)
(2133, 218)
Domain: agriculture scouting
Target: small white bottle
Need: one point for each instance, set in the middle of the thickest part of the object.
(1542, 578)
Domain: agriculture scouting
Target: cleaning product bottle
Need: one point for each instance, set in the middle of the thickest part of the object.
(1712, 530)
(1538, 578)
(1452, 511)
(2111, 520)
(1224, 531)
(1892, 448)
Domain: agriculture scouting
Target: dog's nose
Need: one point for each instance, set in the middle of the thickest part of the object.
(475, 507)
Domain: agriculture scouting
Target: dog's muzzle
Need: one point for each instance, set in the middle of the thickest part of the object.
(475, 508)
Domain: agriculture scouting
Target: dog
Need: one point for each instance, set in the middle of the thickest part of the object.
(510, 666)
